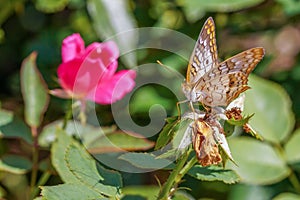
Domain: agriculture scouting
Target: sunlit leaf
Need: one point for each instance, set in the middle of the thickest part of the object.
(167, 133)
(214, 173)
(292, 148)
(195, 10)
(113, 19)
(183, 136)
(34, 90)
(58, 152)
(148, 192)
(145, 160)
(70, 191)
(248, 191)
(87, 133)
(84, 167)
(5, 117)
(182, 195)
(119, 141)
(15, 164)
(51, 6)
(75, 165)
(287, 196)
(273, 117)
(253, 158)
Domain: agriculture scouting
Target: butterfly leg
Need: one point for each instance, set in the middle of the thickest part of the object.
(178, 109)
(193, 110)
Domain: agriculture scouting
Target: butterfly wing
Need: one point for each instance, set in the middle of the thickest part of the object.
(224, 83)
(204, 56)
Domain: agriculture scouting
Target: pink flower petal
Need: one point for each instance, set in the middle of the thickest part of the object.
(91, 73)
(67, 73)
(72, 47)
(60, 93)
(111, 90)
(107, 51)
(79, 77)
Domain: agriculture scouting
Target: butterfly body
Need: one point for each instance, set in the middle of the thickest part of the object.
(213, 83)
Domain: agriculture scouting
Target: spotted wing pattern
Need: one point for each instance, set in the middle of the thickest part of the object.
(204, 56)
(225, 82)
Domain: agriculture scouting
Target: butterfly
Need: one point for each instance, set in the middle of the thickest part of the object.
(212, 83)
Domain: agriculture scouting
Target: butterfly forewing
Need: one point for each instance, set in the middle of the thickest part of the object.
(204, 56)
(242, 62)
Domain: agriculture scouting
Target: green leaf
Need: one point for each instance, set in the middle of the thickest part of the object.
(70, 192)
(87, 133)
(119, 141)
(113, 18)
(16, 129)
(147, 192)
(258, 162)
(213, 173)
(15, 164)
(75, 165)
(182, 195)
(51, 6)
(5, 117)
(290, 7)
(180, 134)
(84, 167)
(228, 128)
(245, 191)
(195, 10)
(58, 151)
(167, 133)
(287, 196)
(240, 122)
(145, 160)
(34, 90)
(291, 148)
(150, 193)
(271, 105)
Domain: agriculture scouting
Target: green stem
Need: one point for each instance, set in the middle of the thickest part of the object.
(68, 116)
(44, 178)
(292, 177)
(35, 159)
(176, 175)
(294, 181)
(188, 166)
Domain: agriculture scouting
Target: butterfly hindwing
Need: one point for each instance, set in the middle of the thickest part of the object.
(224, 83)
(204, 56)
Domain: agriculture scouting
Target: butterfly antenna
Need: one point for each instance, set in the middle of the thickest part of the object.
(170, 69)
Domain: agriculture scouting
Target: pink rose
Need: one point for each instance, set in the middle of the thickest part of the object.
(90, 73)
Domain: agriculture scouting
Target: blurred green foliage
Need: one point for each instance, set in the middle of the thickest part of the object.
(269, 169)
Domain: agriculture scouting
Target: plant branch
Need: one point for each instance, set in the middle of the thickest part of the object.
(44, 178)
(68, 116)
(35, 158)
(176, 175)
(294, 181)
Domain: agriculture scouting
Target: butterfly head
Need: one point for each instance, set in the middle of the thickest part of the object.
(191, 93)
